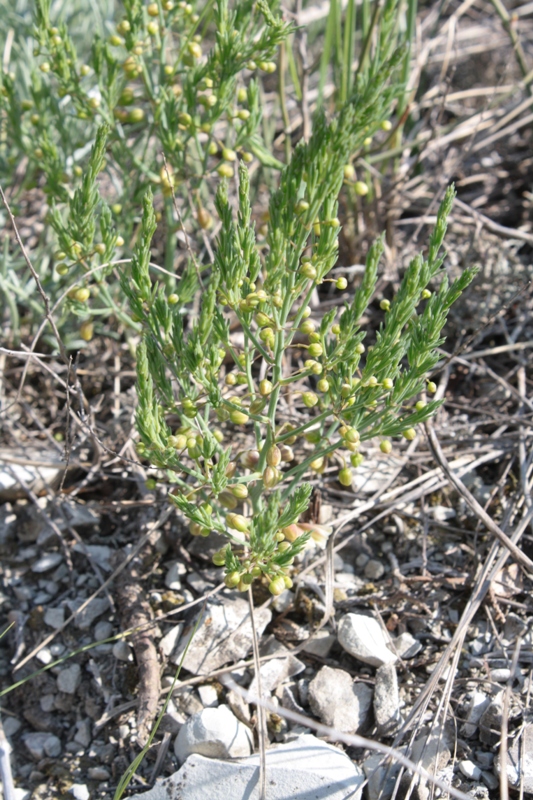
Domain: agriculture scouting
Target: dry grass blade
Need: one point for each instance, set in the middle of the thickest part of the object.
(5, 767)
(261, 716)
(473, 503)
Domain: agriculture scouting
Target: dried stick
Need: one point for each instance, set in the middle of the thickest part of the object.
(5, 766)
(261, 716)
(136, 612)
(473, 503)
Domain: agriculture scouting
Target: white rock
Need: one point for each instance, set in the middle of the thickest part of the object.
(170, 640)
(282, 601)
(338, 701)
(54, 617)
(406, 645)
(44, 656)
(69, 679)
(172, 578)
(80, 791)
(470, 770)
(224, 636)
(442, 513)
(500, 675)
(387, 700)
(85, 618)
(320, 644)
(208, 695)
(122, 651)
(305, 768)
(363, 638)
(477, 707)
(213, 732)
(47, 562)
(20, 794)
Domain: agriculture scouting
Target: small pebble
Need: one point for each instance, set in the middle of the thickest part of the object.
(44, 656)
(52, 746)
(98, 774)
(490, 780)
(500, 675)
(470, 770)
(103, 630)
(11, 726)
(374, 570)
(79, 791)
(172, 578)
(47, 562)
(122, 651)
(362, 560)
(69, 679)
(208, 696)
(54, 617)
(47, 703)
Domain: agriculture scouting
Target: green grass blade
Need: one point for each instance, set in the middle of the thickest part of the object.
(348, 51)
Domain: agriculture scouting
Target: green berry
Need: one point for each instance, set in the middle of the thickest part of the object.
(360, 188)
(385, 305)
(265, 387)
(238, 417)
(219, 558)
(232, 579)
(315, 350)
(357, 459)
(385, 446)
(345, 476)
(323, 385)
(309, 399)
(237, 522)
(387, 384)
(341, 283)
(409, 434)
(431, 387)
(277, 586)
(420, 405)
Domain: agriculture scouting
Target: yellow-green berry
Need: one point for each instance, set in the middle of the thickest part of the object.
(420, 405)
(315, 350)
(173, 299)
(82, 295)
(277, 586)
(385, 305)
(360, 188)
(385, 446)
(309, 399)
(431, 387)
(238, 417)
(345, 476)
(357, 459)
(387, 384)
(341, 283)
(409, 434)
(237, 522)
(232, 579)
(225, 171)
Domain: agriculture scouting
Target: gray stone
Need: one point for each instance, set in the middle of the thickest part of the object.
(363, 638)
(374, 570)
(122, 651)
(381, 776)
(11, 726)
(490, 780)
(47, 703)
(491, 721)
(198, 583)
(83, 734)
(387, 700)
(470, 770)
(320, 644)
(276, 670)
(520, 761)
(501, 675)
(170, 640)
(85, 618)
(406, 645)
(213, 732)
(103, 630)
(282, 601)
(374, 474)
(52, 746)
(338, 701)
(305, 768)
(47, 562)
(54, 617)
(80, 791)
(34, 743)
(69, 679)
(225, 635)
(478, 705)
(98, 774)
(101, 554)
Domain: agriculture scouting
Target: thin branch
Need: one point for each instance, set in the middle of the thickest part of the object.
(261, 716)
